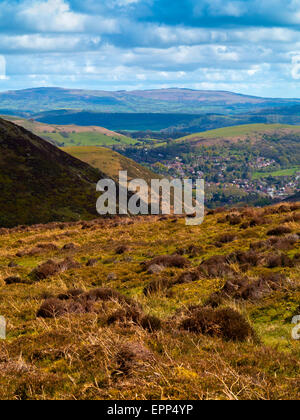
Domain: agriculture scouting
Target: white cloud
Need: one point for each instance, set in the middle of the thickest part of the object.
(104, 42)
(125, 2)
(2, 68)
(51, 16)
(296, 67)
(48, 43)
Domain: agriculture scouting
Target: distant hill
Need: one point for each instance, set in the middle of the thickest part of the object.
(111, 162)
(41, 183)
(72, 135)
(253, 132)
(167, 122)
(119, 121)
(172, 100)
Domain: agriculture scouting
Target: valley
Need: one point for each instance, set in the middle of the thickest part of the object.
(149, 203)
(146, 307)
(252, 164)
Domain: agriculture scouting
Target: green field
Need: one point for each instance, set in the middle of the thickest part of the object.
(242, 132)
(73, 135)
(283, 172)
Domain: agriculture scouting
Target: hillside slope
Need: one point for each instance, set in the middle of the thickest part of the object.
(253, 132)
(40, 183)
(110, 162)
(72, 135)
(214, 322)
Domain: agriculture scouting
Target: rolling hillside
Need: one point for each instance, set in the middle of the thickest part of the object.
(253, 132)
(39, 183)
(72, 135)
(110, 162)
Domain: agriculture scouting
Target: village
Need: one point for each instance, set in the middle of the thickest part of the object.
(227, 172)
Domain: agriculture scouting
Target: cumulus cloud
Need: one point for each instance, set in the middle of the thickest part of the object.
(296, 67)
(244, 45)
(2, 68)
(51, 16)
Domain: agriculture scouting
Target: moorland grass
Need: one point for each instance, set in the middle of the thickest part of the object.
(130, 343)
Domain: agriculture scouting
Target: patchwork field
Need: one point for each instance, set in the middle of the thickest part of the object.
(148, 308)
(72, 135)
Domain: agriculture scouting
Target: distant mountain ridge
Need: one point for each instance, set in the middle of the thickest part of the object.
(170, 100)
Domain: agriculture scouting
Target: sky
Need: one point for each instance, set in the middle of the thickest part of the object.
(245, 46)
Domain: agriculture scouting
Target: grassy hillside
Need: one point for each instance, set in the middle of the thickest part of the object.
(110, 162)
(211, 323)
(253, 132)
(40, 183)
(73, 135)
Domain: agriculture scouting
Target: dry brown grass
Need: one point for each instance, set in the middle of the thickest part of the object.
(107, 339)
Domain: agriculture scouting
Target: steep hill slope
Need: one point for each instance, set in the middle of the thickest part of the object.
(40, 183)
(110, 162)
(72, 135)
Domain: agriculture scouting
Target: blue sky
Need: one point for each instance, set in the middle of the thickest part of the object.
(247, 46)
